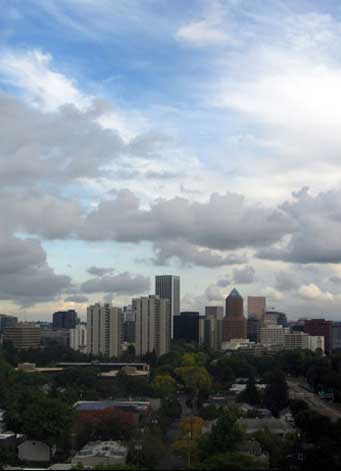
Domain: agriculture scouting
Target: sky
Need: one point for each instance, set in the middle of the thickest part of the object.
(198, 138)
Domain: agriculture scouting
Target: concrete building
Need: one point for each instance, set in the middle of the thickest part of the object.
(273, 334)
(276, 317)
(129, 332)
(7, 321)
(104, 330)
(256, 307)
(234, 323)
(65, 319)
(55, 337)
(128, 314)
(25, 336)
(152, 325)
(336, 336)
(214, 311)
(316, 342)
(320, 327)
(186, 327)
(78, 338)
(168, 287)
(101, 453)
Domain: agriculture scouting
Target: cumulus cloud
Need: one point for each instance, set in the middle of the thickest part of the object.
(25, 276)
(313, 292)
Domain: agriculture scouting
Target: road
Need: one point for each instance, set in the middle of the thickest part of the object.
(297, 391)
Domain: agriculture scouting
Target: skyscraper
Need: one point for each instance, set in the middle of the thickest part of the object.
(104, 330)
(168, 287)
(152, 325)
(256, 307)
(65, 319)
(186, 327)
(234, 324)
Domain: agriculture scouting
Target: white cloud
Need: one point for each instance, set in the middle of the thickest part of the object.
(32, 72)
(312, 292)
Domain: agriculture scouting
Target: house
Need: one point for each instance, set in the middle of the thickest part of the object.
(101, 453)
(278, 427)
(253, 449)
(35, 452)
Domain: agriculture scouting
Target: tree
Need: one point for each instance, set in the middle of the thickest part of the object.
(251, 394)
(225, 435)
(164, 386)
(195, 378)
(276, 395)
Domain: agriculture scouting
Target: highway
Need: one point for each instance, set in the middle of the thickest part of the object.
(297, 391)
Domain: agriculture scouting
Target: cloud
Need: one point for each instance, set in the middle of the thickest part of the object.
(285, 281)
(32, 71)
(312, 292)
(189, 254)
(25, 276)
(212, 30)
(99, 271)
(244, 275)
(223, 282)
(120, 284)
(78, 299)
(318, 225)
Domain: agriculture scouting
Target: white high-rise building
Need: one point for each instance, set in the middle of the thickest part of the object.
(168, 287)
(273, 334)
(78, 337)
(104, 330)
(152, 325)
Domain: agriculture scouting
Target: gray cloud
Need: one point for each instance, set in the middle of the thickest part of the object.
(244, 275)
(25, 276)
(99, 271)
(123, 283)
(76, 298)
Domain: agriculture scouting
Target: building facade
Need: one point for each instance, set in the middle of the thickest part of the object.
(168, 287)
(153, 323)
(320, 327)
(214, 311)
(186, 327)
(25, 336)
(78, 338)
(253, 328)
(7, 321)
(273, 334)
(234, 323)
(104, 330)
(65, 319)
(256, 307)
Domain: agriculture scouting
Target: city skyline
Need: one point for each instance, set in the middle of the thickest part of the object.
(212, 153)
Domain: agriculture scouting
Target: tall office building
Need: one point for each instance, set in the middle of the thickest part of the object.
(104, 330)
(256, 307)
(211, 328)
(168, 287)
(24, 336)
(153, 316)
(65, 319)
(275, 317)
(253, 328)
(186, 327)
(234, 324)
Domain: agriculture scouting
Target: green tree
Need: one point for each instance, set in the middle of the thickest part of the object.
(276, 395)
(251, 394)
(164, 386)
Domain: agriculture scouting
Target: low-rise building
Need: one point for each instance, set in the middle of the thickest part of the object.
(101, 453)
(32, 451)
(278, 427)
(24, 336)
